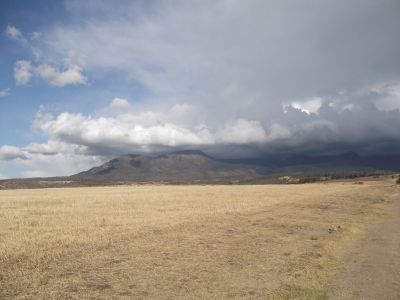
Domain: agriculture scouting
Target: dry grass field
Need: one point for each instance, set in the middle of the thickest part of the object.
(175, 242)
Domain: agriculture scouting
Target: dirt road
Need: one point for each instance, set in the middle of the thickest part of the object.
(373, 269)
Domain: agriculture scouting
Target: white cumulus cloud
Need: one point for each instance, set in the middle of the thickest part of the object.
(242, 132)
(11, 153)
(23, 72)
(121, 133)
(54, 158)
(60, 78)
(119, 103)
(309, 105)
(15, 34)
(5, 92)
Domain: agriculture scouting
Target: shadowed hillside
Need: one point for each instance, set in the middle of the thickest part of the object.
(188, 167)
(182, 166)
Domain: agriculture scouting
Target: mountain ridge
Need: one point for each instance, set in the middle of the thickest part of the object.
(179, 166)
(195, 166)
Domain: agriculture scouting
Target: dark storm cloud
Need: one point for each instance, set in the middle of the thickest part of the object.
(242, 77)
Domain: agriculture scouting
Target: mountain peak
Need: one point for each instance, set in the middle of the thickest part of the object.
(179, 166)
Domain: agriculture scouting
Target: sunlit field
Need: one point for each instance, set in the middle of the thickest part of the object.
(171, 242)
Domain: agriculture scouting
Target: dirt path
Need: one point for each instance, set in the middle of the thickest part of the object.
(373, 269)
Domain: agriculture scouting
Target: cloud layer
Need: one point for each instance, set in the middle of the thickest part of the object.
(227, 76)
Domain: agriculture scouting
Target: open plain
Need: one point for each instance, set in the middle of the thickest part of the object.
(212, 242)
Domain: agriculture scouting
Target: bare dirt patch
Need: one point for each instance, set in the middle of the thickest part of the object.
(372, 269)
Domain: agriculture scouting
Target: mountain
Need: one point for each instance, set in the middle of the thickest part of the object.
(197, 167)
(175, 167)
(342, 165)
(347, 161)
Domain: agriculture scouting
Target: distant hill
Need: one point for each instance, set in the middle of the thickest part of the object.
(175, 167)
(348, 161)
(186, 167)
(196, 166)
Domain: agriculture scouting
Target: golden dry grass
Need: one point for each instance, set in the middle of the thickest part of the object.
(171, 242)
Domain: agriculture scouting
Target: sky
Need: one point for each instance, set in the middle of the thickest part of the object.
(85, 81)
